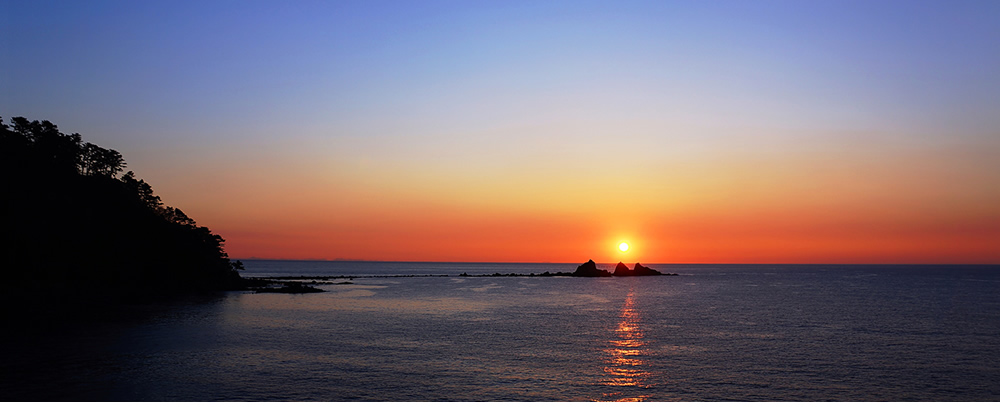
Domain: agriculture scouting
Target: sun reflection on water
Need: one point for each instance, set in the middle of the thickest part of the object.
(625, 367)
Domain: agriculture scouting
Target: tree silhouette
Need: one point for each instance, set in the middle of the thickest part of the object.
(75, 229)
(142, 190)
(101, 161)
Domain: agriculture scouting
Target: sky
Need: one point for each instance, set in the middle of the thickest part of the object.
(539, 131)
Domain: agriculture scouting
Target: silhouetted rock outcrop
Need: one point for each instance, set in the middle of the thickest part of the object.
(621, 269)
(639, 270)
(589, 269)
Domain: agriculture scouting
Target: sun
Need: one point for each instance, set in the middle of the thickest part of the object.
(623, 246)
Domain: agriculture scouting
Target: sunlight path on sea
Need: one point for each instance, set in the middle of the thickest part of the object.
(626, 375)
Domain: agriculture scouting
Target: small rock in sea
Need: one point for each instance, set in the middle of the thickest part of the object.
(621, 269)
(290, 288)
(638, 270)
(589, 269)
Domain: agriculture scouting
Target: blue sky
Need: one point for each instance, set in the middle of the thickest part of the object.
(920, 63)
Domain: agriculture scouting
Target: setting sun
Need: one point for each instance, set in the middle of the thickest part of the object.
(623, 246)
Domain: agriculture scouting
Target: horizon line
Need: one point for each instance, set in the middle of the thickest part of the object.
(651, 262)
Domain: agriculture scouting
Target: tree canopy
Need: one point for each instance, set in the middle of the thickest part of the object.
(77, 229)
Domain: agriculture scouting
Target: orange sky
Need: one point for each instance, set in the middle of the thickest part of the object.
(885, 204)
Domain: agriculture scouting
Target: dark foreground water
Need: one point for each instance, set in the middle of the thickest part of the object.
(716, 332)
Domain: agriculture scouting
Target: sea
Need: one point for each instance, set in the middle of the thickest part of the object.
(398, 331)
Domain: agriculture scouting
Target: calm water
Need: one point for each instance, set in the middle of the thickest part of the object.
(851, 333)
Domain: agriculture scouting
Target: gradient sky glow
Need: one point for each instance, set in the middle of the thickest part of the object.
(698, 131)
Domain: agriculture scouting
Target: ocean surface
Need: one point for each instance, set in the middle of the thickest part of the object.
(712, 333)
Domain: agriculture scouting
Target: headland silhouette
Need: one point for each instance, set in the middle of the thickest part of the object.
(80, 235)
